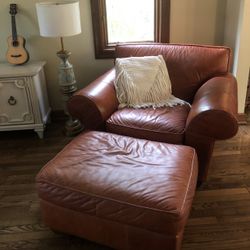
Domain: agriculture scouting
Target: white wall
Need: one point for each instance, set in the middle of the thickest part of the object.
(242, 52)
(231, 23)
(192, 21)
(237, 34)
(197, 21)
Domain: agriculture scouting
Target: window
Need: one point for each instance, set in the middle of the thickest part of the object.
(128, 21)
(136, 26)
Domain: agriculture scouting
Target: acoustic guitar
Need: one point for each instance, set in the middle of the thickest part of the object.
(16, 54)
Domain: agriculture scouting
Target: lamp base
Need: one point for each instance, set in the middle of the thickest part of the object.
(73, 127)
(68, 87)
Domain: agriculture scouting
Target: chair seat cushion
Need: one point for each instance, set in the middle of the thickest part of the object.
(160, 124)
(131, 181)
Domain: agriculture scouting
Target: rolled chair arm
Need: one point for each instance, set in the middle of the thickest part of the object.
(94, 104)
(214, 110)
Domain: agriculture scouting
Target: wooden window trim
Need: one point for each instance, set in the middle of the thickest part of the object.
(105, 50)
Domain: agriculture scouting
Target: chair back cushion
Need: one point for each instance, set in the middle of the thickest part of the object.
(189, 66)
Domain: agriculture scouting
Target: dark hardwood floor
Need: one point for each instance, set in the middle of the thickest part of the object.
(219, 220)
(220, 216)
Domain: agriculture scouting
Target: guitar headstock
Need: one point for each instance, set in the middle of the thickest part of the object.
(13, 9)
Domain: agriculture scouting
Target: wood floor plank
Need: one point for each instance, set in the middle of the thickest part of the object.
(219, 218)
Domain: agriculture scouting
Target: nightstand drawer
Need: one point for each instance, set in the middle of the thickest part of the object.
(15, 102)
(24, 101)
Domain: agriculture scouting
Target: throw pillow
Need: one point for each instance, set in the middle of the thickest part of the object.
(144, 82)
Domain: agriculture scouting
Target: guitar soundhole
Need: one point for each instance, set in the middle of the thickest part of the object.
(15, 43)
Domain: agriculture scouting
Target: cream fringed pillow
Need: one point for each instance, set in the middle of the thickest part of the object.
(143, 82)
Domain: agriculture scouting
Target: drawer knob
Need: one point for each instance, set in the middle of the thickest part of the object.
(12, 100)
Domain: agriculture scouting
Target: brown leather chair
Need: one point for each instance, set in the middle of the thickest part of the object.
(199, 75)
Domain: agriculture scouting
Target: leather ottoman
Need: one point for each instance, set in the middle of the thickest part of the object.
(119, 191)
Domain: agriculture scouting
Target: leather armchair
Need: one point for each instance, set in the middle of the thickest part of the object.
(199, 75)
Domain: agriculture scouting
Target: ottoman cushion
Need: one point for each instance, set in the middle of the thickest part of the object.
(135, 182)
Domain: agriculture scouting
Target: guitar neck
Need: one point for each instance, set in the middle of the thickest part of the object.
(13, 25)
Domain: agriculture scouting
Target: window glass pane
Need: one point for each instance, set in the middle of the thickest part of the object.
(130, 20)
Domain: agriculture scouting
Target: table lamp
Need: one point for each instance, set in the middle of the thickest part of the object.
(61, 19)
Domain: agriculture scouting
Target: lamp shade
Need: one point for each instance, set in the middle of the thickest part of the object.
(59, 19)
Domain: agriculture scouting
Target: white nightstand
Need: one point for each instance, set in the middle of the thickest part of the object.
(23, 97)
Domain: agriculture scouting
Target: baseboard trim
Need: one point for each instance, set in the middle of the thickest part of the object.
(242, 118)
